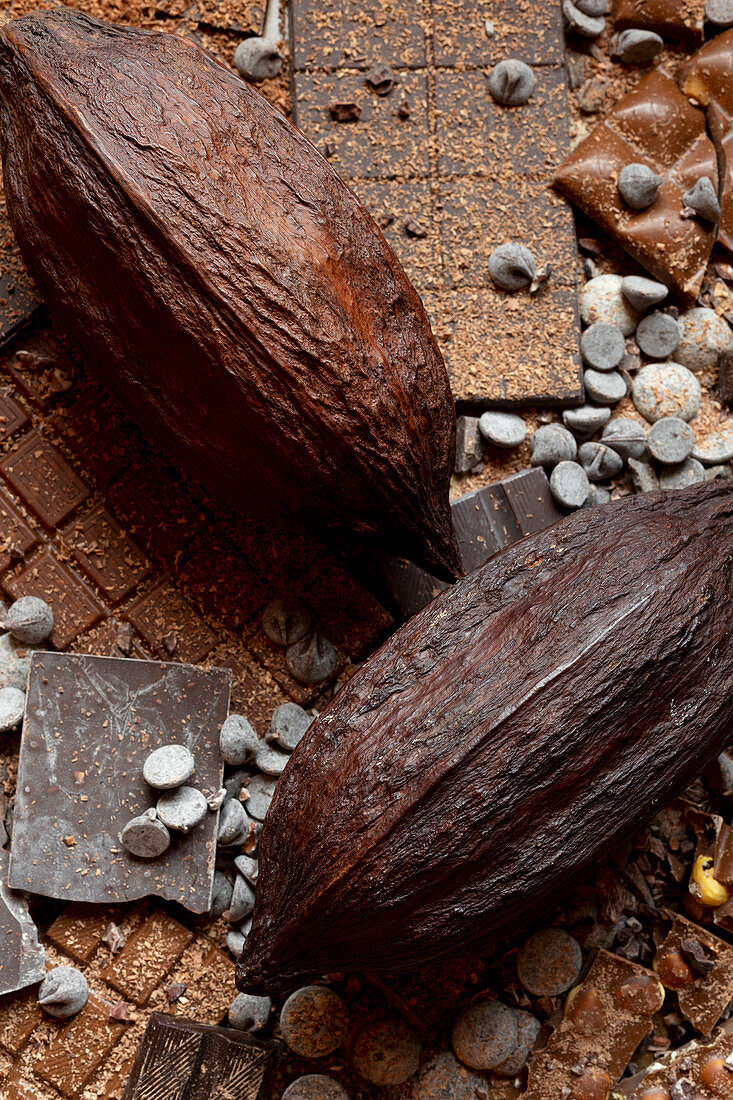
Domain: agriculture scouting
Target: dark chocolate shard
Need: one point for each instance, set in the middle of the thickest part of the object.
(90, 724)
(181, 1060)
(22, 959)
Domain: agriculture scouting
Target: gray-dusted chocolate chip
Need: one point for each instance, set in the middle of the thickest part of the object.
(704, 336)
(626, 437)
(643, 293)
(549, 962)
(585, 421)
(666, 389)
(670, 440)
(182, 809)
(528, 1028)
(658, 335)
(601, 299)
(237, 740)
(443, 1077)
(569, 485)
(242, 902)
(286, 621)
(599, 461)
(679, 477)
(249, 867)
(724, 473)
(606, 387)
(512, 266)
(716, 447)
(235, 942)
(14, 663)
(485, 1033)
(289, 723)
(63, 992)
(636, 46)
(587, 26)
(386, 1052)
(703, 199)
(511, 82)
(12, 708)
(603, 346)
(315, 1086)
(260, 790)
(469, 444)
(169, 766)
(221, 894)
(233, 822)
(29, 620)
(145, 836)
(643, 475)
(598, 495)
(311, 660)
(259, 57)
(551, 444)
(593, 8)
(638, 185)
(270, 760)
(249, 1013)
(502, 429)
(719, 12)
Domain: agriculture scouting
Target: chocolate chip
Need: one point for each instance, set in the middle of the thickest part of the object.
(63, 992)
(311, 660)
(637, 47)
(145, 836)
(511, 266)
(703, 199)
(285, 621)
(168, 767)
(638, 185)
(658, 335)
(511, 82)
(29, 620)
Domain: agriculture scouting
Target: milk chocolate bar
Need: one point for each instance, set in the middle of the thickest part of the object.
(654, 125)
(677, 20)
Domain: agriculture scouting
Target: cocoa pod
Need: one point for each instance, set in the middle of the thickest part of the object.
(503, 739)
(217, 273)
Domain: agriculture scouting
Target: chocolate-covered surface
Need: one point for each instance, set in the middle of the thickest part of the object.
(219, 275)
(657, 126)
(680, 20)
(500, 741)
(90, 724)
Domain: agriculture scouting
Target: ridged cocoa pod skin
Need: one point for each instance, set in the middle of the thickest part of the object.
(221, 278)
(501, 741)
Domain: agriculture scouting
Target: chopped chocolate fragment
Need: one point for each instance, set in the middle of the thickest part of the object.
(237, 1063)
(22, 959)
(705, 994)
(104, 715)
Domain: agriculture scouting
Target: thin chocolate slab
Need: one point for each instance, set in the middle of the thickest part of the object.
(22, 959)
(90, 724)
(484, 521)
(689, 1071)
(181, 1060)
(657, 126)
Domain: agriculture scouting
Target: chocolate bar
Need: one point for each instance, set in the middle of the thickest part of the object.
(181, 1060)
(708, 78)
(677, 20)
(699, 966)
(606, 1017)
(22, 959)
(484, 521)
(697, 1069)
(90, 724)
(657, 126)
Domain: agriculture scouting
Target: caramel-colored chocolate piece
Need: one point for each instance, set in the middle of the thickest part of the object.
(606, 1018)
(654, 125)
(147, 957)
(79, 930)
(679, 20)
(708, 79)
(702, 1000)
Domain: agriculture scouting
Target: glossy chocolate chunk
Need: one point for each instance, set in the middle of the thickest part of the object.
(655, 125)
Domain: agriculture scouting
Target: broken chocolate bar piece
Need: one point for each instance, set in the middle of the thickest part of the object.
(677, 20)
(90, 724)
(654, 125)
(22, 959)
(19, 299)
(606, 1017)
(699, 966)
(695, 1070)
(484, 521)
(708, 79)
(181, 1060)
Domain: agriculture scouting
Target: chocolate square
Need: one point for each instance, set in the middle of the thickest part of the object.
(90, 724)
(16, 536)
(43, 478)
(170, 625)
(75, 607)
(380, 145)
(13, 416)
(147, 957)
(334, 34)
(107, 554)
(79, 1048)
(532, 32)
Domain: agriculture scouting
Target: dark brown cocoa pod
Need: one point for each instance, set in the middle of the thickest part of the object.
(218, 274)
(518, 727)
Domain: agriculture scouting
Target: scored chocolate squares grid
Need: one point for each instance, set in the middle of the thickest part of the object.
(449, 175)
